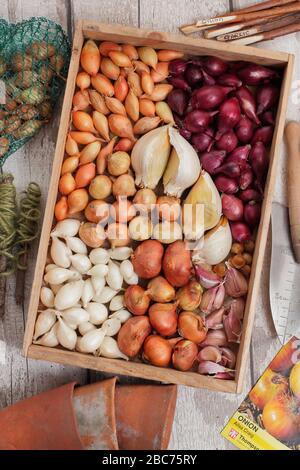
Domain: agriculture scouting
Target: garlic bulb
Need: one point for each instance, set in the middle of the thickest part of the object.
(114, 277)
(90, 341)
(44, 322)
(99, 270)
(109, 348)
(111, 326)
(216, 244)
(81, 263)
(75, 316)
(49, 267)
(97, 313)
(76, 245)
(116, 303)
(66, 228)
(202, 208)
(47, 297)
(105, 295)
(87, 292)
(99, 256)
(60, 253)
(120, 253)
(98, 284)
(59, 276)
(149, 157)
(49, 339)
(66, 336)
(123, 315)
(183, 167)
(85, 327)
(140, 228)
(68, 295)
(167, 232)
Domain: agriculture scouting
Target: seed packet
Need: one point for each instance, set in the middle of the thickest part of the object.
(269, 416)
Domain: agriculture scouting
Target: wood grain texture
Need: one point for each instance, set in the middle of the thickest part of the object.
(20, 377)
(265, 343)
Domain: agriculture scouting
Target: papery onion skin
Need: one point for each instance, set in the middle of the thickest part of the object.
(232, 207)
(254, 74)
(244, 130)
(160, 290)
(157, 351)
(268, 386)
(198, 120)
(193, 75)
(178, 101)
(191, 326)
(136, 300)
(226, 185)
(281, 417)
(177, 264)
(177, 67)
(215, 66)
(147, 259)
(228, 141)
(209, 97)
(133, 334)
(230, 79)
(240, 232)
(247, 103)
(202, 141)
(252, 213)
(267, 97)
(163, 318)
(210, 161)
(184, 355)
(229, 115)
(189, 296)
(263, 134)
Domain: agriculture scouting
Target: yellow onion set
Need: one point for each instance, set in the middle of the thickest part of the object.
(146, 278)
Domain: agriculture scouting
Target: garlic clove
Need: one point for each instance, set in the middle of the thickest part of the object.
(206, 276)
(111, 326)
(99, 270)
(105, 295)
(98, 285)
(66, 336)
(76, 245)
(114, 277)
(68, 295)
(58, 276)
(216, 244)
(97, 313)
(44, 322)
(87, 292)
(121, 253)
(75, 316)
(47, 297)
(50, 266)
(66, 228)
(236, 284)
(212, 299)
(123, 315)
(60, 253)
(109, 348)
(49, 339)
(132, 280)
(90, 341)
(147, 167)
(202, 208)
(116, 303)
(99, 256)
(81, 263)
(183, 167)
(85, 327)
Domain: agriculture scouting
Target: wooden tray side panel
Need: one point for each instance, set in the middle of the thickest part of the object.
(118, 33)
(52, 195)
(263, 226)
(193, 46)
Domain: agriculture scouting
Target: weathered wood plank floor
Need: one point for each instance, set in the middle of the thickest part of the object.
(200, 414)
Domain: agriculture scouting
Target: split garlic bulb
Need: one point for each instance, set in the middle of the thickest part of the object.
(183, 167)
(149, 157)
(216, 244)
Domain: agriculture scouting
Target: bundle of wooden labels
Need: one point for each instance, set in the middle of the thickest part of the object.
(259, 22)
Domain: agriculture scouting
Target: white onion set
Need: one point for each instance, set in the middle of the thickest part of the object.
(82, 294)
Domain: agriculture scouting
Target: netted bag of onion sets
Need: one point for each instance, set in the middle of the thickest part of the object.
(34, 60)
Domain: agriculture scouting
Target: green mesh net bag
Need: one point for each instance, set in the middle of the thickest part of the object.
(34, 60)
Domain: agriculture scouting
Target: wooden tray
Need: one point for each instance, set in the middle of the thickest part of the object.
(138, 37)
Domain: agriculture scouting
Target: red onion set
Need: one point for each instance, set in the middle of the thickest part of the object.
(227, 112)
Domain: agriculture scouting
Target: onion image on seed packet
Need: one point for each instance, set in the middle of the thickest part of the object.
(269, 416)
